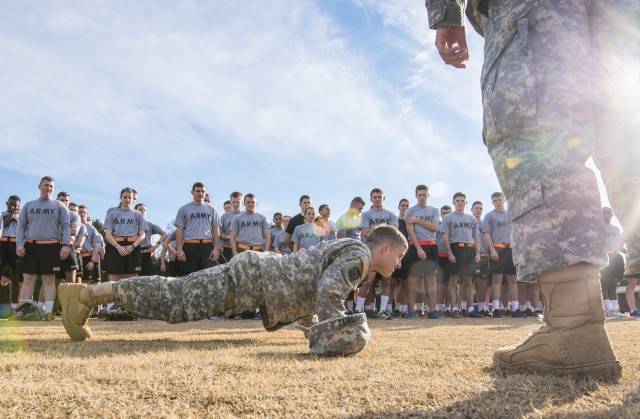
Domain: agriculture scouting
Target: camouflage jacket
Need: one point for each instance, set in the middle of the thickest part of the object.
(312, 281)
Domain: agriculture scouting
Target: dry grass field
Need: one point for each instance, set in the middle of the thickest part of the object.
(419, 368)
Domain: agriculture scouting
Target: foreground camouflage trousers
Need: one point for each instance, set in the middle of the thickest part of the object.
(560, 84)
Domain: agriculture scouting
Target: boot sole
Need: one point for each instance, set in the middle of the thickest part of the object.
(605, 370)
(75, 332)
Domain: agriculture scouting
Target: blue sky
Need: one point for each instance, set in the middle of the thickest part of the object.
(326, 98)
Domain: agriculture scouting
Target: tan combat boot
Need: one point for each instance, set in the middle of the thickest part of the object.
(77, 301)
(573, 342)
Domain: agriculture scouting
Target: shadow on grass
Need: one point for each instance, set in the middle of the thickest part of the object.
(94, 348)
(523, 395)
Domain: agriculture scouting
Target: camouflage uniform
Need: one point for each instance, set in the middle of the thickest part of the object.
(286, 288)
(560, 83)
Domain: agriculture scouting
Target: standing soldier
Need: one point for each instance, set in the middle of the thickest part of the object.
(40, 226)
(546, 111)
(197, 233)
(8, 257)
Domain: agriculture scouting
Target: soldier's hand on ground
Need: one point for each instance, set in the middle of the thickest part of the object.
(451, 43)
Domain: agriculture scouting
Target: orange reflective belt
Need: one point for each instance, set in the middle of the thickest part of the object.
(198, 241)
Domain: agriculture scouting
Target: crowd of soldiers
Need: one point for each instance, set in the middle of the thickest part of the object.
(457, 264)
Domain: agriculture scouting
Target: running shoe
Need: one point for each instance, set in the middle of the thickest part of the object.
(384, 315)
(434, 315)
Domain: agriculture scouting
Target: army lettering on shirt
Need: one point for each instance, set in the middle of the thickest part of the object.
(426, 213)
(372, 218)
(149, 230)
(614, 238)
(43, 220)
(126, 223)
(250, 228)
(307, 236)
(461, 227)
(225, 225)
(10, 229)
(496, 223)
(198, 221)
(349, 225)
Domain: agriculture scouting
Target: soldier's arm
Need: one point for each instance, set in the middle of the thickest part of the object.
(267, 239)
(337, 281)
(232, 242)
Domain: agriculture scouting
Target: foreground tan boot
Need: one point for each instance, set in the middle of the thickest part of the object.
(573, 342)
(77, 301)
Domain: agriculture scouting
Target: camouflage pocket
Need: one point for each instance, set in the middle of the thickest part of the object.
(508, 88)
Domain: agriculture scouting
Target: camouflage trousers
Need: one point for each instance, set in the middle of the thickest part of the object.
(560, 84)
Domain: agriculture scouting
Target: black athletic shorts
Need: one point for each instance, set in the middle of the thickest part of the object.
(146, 261)
(504, 264)
(615, 268)
(198, 257)
(418, 267)
(121, 265)
(443, 270)
(69, 264)
(481, 268)
(465, 260)
(8, 255)
(41, 259)
(93, 275)
(226, 255)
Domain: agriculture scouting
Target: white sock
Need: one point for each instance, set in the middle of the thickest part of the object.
(419, 306)
(398, 306)
(470, 309)
(405, 308)
(528, 304)
(350, 305)
(496, 304)
(370, 306)
(463, 304)
(48, 306)
(384, 300)
(607, 305)
(360, 303)
(389, 308)
(481, 306)
(522, 307)
(615, 305)
(14, 305)
(109, 306)
(514, 305)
